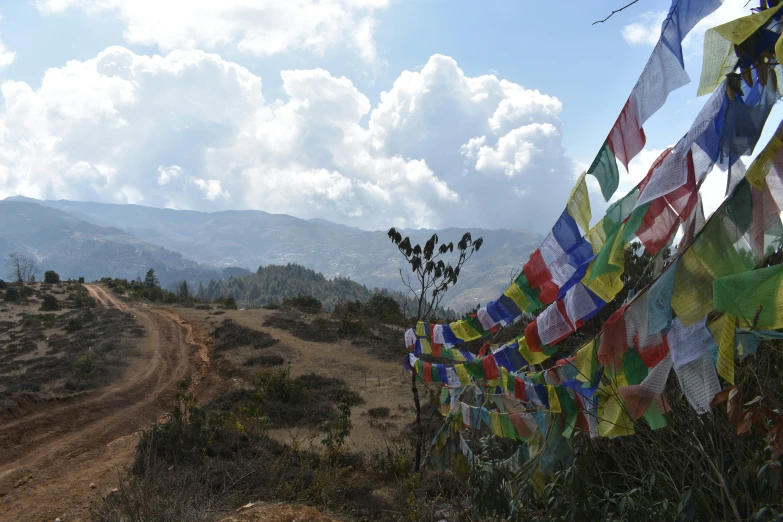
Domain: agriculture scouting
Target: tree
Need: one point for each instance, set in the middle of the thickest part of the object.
(21, 267)
(51, 277)
(201, 292)
(151, 280)
(433, 276)
(182, 290)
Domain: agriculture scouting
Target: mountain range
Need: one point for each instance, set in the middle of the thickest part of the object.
(98, 239)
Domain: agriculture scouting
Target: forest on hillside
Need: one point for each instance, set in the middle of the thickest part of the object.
(271, 284)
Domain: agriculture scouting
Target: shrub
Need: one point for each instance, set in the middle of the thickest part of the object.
(382, 307)
(12, 294)
(51, 277)
(74, 324)
(229, 303)
(304, 303)
(85, 368)
(265, 361)
(345, 308)
(3, 285)
(26, 291)
(49, 303)
(379, 413)
(81, 279)
(351, 327)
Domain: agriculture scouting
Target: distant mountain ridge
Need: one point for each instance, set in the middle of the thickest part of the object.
(253, 238)
(76, 248)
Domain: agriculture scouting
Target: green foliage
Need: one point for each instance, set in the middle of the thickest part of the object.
(51, 277)
(151, 280)
(229, 303)
(304, 303)
(12, 294)
(74, 324)
(432, 274)
(49, 303)
(335, 432)
(26, 291)
(85, 368)
(81, 279)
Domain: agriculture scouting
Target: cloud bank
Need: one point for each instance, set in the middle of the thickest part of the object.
(257, 27)
(192, 130)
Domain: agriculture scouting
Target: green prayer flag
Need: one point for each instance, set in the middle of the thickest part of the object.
(476, 325)
(654, 417)
(741, 295)
(532, 295)
(605, 170)
(633, 367)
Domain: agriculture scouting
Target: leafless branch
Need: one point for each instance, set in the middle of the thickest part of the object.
(626, 6)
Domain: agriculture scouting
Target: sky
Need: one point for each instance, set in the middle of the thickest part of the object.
(370, 113)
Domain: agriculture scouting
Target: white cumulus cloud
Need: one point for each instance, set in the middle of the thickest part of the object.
(192, 130)
(258, 27)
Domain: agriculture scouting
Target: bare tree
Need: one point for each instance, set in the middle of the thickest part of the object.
(433, 276)
(20, 267)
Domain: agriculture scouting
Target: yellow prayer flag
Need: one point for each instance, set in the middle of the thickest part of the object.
(554, 400)
(597, 236)
(692, 295)
(462, 330)
(494, 424)
(514, 293)
(579, 204)
(761, 166)
(722, 330)
(462, 374)
(617, 254)
(420, 331)
(613, 421)
(584, 361)
(530, 357)
(605, 286)
(426, 347)
(719, 58)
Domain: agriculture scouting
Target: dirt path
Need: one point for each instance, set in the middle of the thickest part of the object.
(51, 455)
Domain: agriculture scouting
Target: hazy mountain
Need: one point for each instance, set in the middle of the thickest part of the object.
(252, 238)
(73, 247)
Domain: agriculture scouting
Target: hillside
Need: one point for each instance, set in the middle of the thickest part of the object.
(251, 238)
(74, 248)
(273, 283)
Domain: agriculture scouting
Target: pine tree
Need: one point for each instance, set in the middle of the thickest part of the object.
(151, 280)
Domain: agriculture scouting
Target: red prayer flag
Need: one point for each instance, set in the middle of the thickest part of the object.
(531, 336)
(627, 137)
(490, 367)
(612, 345)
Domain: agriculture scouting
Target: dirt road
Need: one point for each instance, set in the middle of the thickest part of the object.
(50, 455)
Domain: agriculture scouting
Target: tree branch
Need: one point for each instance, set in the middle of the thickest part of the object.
(614, 12)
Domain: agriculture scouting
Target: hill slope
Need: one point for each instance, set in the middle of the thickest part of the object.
(73, 247)
(249, 238)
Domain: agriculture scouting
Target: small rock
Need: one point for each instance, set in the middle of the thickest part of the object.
(57, 519)
(245, 507)
(92, 485)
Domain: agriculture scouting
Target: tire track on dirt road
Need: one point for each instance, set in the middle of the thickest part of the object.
(49, 457)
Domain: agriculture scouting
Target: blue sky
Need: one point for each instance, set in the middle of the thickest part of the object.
(323, 143)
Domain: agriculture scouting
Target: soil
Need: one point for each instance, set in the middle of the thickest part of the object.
(54, 450)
